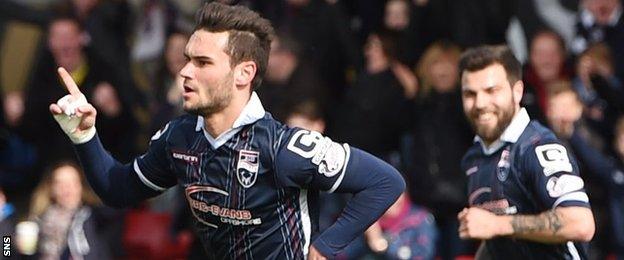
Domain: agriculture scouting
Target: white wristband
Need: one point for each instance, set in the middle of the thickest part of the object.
(69, 121)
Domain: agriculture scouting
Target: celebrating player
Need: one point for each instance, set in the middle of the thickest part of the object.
(525, 194)
(252, 184)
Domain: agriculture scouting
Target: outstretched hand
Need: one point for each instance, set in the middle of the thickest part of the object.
(73, 113)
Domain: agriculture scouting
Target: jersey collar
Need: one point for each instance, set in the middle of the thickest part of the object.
(251, 113)
(510, 135)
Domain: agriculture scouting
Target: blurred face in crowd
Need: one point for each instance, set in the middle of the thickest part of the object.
(298, 120)
(546, 57)
(489, 101)
(84, 6)
(174, 54)
(602, 10)
(207, 76)
(444, 75)
(397, 15)
(13, 106)
(66, 43)
(281, 63)
(67, 187)
(106, 100)
(376, 59)
(564, 108)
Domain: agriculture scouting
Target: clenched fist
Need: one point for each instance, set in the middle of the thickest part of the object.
(477, 223)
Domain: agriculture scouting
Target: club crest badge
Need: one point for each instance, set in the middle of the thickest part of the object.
(503, 166)
(247, 167)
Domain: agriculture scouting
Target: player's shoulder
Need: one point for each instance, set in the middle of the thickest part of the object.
(301, 149)
(473, 152)
(269, 123)
(269, 127)
(536, 135)
(276, 130)
(540, 146)
(179, 126)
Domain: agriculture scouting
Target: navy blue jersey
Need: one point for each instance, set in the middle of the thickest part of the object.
(527, 171)
(253, 190)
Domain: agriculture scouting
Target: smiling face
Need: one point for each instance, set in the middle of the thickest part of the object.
(208, 77)
(489, 101)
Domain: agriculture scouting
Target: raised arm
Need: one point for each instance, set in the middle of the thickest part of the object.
(116, 184)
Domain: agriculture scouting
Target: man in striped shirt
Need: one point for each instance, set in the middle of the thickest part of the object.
(252, 183)
(526, 198)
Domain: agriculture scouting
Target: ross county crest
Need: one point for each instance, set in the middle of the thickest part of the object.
(247, 167)
(503, 166)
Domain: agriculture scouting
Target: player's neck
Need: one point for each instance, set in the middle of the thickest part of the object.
(222, 121)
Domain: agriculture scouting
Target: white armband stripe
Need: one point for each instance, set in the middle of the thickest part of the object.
(573, 251)
(572, 196)
(144, 179)
(344, 169)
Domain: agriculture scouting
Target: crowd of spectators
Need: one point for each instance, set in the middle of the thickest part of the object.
(380, 75)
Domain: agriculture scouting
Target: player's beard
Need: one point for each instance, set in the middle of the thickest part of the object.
(504, 115)
(215, 99)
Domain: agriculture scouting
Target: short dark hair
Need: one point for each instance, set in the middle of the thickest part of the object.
(388, 39)
(249, 36)
(478, 58)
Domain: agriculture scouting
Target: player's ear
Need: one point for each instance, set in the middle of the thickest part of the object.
(244, 73)
(518, 90)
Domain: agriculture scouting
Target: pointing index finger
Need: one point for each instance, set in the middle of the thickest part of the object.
(68, 81)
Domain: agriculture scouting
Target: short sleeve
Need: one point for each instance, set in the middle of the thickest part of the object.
(307, 159)
(554, 175)
(153, 167)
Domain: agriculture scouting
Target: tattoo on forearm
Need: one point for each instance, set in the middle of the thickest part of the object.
(548, 221)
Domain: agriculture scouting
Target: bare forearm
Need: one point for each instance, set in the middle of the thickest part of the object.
(553, 226)
(545, 227)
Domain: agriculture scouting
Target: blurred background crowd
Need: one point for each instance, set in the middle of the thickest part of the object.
(380, 75)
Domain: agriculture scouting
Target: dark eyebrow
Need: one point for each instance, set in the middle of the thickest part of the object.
(197, 57)
(467, 91)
